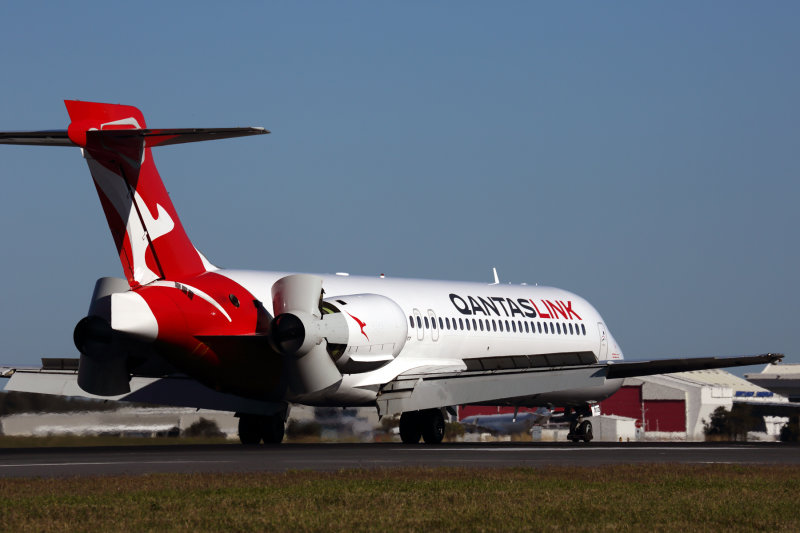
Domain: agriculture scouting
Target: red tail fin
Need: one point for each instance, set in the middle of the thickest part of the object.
(116, 143)
(150, 238)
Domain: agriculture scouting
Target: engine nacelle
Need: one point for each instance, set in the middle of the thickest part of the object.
(102, 369)
(376, 331)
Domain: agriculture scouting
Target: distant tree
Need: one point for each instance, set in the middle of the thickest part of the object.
(203, 428)
(790, 432)
(717, 425)
(732, 425)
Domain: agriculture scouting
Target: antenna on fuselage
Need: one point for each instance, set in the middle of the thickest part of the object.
(496, 279)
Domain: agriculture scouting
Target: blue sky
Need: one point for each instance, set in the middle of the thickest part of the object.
(642, 155)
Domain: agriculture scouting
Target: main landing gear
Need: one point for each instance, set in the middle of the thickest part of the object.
(428, 424)
(580, 428)
(253, 429)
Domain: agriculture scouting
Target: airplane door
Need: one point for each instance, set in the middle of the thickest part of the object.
(603, 354)
(418, 321)
(434, 326)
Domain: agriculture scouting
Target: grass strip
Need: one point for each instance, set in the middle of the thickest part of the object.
(618, 498)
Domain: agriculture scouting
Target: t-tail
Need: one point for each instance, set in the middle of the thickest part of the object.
(116, 143)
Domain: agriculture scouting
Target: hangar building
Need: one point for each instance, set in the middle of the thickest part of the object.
(675, 406)
(783, 379)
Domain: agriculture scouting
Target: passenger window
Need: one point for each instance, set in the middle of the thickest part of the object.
(558, 328)
(494, 325)
(480, 323)
(433, 323)
(583, 329)
(570, 329)
(514, 326)
(501, 325)
(467, 321)
(539, 325)
(519, 326)
(508, 328)
(460, 323)
(447, 322)
(427, 325)
(441, 325)
(419, 322)
(411, 319)
(474, 325)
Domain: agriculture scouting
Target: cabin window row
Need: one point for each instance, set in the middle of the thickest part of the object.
(485, 324)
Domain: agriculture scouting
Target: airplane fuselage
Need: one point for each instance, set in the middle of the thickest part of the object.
(457, 325)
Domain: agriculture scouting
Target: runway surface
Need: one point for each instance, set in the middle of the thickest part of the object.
(91, 461)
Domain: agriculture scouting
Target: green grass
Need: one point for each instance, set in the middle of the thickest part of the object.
(626, 498)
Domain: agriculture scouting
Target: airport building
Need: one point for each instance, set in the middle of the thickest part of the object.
(665, 407)
(782, 379)
(676, 406)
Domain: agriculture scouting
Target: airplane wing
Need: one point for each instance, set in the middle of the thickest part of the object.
(629, 369)
(519, 383)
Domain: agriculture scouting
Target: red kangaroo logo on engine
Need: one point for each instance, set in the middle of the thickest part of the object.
(361, 324)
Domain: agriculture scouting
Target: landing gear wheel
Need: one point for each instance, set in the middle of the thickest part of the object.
(432, 423)
(573, 431)
(410, 430)
(249, 429)
(253, 429)
(585, 429)
(272, 429)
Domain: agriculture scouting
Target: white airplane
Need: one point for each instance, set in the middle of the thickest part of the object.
(180, 331)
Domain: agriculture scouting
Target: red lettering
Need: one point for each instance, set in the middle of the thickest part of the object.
(543, 315)
(568, 308)
(556, 308)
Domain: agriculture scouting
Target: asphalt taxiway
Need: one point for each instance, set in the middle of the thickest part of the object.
(92, 461)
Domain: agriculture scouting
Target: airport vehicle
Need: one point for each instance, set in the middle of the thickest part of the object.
(177, 330)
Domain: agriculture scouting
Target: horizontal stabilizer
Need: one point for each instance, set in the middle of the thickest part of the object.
(36, 138)
(630, 369)
(160, 137)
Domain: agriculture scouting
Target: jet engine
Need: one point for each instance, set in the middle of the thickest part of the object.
(115, 339)
(103, 368)
(377, 331)
(323, 338)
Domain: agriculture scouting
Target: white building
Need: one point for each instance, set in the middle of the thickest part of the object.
(676, 406)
